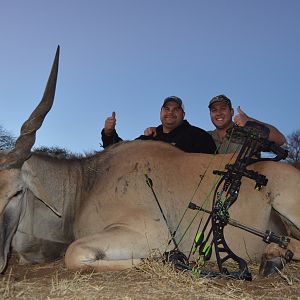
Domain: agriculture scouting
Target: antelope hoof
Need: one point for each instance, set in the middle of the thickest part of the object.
(269, 267)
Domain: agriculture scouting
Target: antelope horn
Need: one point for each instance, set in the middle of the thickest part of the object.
(22, 150)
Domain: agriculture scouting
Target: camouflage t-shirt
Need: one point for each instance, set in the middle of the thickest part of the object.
(224, 146)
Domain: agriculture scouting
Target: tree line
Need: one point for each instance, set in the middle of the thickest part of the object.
(293, 146)
(7, 141)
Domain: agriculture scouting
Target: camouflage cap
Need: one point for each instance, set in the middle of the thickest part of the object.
(174, 99)
(220, 98)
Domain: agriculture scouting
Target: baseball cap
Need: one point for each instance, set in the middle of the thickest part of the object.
(220, 98)
(174, 99)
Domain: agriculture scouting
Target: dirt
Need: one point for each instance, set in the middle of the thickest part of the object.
(152, 280)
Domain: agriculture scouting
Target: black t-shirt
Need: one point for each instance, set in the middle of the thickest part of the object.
(185, 137)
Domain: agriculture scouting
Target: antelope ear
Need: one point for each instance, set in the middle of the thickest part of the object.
(34, 184)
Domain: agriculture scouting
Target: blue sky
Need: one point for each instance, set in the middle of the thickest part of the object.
(128, 55)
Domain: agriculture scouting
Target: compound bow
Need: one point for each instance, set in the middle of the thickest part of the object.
(254, 139)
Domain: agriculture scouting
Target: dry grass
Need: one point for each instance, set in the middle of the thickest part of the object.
(151, 280)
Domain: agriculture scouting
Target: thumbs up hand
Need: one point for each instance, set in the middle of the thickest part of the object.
(110, 124)
(241, 118)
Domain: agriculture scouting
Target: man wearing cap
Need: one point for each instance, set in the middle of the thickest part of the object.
(173, 130)
(221, 114)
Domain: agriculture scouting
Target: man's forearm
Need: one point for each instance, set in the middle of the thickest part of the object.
(275, 135)
(108, 140)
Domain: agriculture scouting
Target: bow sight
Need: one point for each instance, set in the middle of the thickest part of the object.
(253, 138)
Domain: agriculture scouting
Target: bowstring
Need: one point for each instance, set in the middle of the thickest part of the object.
(206, 200)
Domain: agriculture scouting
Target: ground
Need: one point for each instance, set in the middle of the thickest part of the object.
(152, 280)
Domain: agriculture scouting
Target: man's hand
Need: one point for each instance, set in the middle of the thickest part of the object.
(241, 118)
(150, 131)
(110, 124)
